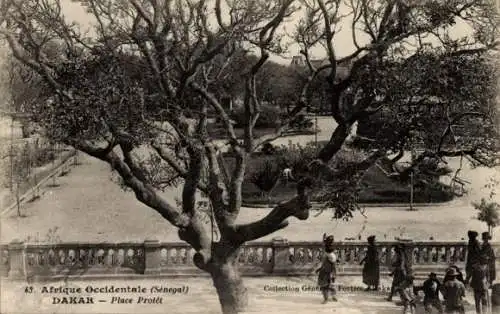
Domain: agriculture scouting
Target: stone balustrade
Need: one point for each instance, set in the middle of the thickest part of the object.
(153, 258)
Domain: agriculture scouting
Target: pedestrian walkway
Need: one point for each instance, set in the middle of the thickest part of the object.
(199, 297)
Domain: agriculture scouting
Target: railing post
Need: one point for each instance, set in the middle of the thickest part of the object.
(281, 255)
(152, 257)
(4, 258)
(16, 260)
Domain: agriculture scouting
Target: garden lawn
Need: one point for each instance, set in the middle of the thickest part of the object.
(376, 187)
(220, 133)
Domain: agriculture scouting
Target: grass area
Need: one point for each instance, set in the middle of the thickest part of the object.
(376, 187)
(220, 133)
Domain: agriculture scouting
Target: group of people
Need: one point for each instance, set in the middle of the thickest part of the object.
(480, 274)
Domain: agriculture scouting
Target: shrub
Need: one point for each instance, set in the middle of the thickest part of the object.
(296, 157)
(265, 175)
(268, 149)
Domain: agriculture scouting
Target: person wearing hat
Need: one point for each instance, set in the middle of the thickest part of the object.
(431, 288)
(453, 293)
(479, 284)
(400, 269)
(371, 268)
(460, 276)
(473, 254)
(407, 294)
(328, 271)
(488, 254)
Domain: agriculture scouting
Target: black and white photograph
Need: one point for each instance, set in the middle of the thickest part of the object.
(249, 156)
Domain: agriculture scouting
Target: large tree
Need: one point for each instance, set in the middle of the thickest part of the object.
(146, 81)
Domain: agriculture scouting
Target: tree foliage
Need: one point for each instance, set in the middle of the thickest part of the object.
(488, 212)
(154, 72)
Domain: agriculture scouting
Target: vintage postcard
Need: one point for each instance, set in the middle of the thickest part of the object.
(249, 156)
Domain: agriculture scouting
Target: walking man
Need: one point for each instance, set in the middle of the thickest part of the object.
(479, 284)
(473, 254)
(488, 255)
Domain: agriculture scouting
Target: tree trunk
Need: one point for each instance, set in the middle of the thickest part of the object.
(233, 295)
(25, 129)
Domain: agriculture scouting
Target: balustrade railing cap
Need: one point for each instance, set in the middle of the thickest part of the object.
(151, 242)
(16, 243)
(280, 240)
(405, 240)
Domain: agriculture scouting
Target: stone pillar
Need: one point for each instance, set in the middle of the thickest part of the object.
(152, 257)
(281, 255)
(17, 260)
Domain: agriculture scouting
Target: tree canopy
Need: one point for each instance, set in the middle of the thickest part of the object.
(153, 72)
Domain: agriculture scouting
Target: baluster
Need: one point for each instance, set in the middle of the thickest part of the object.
(51, 257)
(262, 254)
(44, 254)
(77, 256)
(425, 255)
(435, 255)
(175, 255)
(168, 259)
(355, 254)
(269, 255)
(415, 255)
(388, 256)
(310, 257)
(340, 255)
(121, 257)
(190, 255)
(420, 255)
(71, 257)
(183, 256)
(109, 257)
(249, 258)
(297, 255)
(291, 252)
(163, 256)
(348, 254)
(447, 255)
(463, 254)
(61, 257)
(241, 256)
(245, 255)
(380, 252)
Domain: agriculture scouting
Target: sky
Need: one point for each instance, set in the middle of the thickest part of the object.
(343, 42)
(344, 45)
